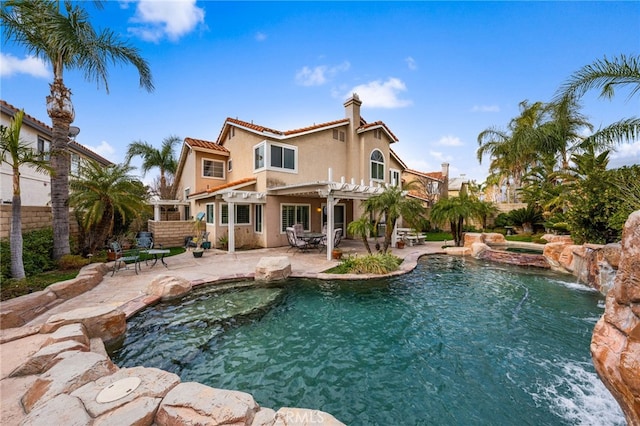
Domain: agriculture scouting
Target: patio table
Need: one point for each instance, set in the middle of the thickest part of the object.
(155, 253)
(312, 239)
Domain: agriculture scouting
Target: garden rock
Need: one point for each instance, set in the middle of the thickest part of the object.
(273, 268)
(106, 322)
(168, 287)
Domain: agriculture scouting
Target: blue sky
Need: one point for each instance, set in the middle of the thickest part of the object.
(437, 73)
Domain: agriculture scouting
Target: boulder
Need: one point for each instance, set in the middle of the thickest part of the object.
(287, 416)
(82, 283)
(168, 287)
(552, 238)
(473, 237)
(612, 253)
(273, 268)
(494, 238)
(194, 403)
(264, 417)
(46, 357)
(615, 344)
(60, 410)
(139, 412)
(552, 252)
(71, 372)
(75, 332)
(457, 251)
(107, 322)
(154, 384)
(567, 259)
(20, 310)
(478, 248)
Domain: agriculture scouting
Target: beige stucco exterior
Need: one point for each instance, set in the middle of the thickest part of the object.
(321, 164)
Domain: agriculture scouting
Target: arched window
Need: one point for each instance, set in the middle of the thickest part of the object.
(377, 165)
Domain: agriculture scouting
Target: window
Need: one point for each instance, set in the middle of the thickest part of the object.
(377, 133)
(294, 213)
(75, 164)
(258, 218)
(44, 148)
(283, 157)
(394, 177)
(377, 165)
(258, 157)
(274, 157)
(232, 132)
(210, 213)
(339, 135)
(212, 168)
(242, 216)
(229, 165)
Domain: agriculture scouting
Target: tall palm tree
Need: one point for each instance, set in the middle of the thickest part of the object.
(163, 158)
(363, 228)
(67, 40)
(98, 193)
(512, 152)
(390, 205)
(606, 75)
(17, 153)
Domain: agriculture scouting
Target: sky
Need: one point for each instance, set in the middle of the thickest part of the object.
(436, 73)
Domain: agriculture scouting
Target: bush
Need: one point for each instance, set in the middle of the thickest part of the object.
(72, 261)
(37, 253)
(381, 263)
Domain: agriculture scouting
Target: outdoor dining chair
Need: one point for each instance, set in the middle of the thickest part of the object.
(293, 240)
(124, 258)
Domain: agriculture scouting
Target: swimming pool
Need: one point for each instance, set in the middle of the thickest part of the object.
(457, 341)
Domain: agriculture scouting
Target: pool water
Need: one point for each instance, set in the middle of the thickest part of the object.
(455, 342)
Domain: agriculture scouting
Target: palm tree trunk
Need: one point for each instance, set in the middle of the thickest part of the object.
(16, 243)
(61, 113)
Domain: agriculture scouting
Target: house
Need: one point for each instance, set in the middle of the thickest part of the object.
(36, 186)
(428, 187)
(257, 181)
(458, 185)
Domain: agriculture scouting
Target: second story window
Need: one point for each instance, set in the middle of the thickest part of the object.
(213, 168)
(283, 157)
(75, 164)
(44, 148)
(258, 157)
(377, 165)
(275, 156)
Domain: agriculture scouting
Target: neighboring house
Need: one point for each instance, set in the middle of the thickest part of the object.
(35, 187)
(428, 187)
(259, 181)
(457, 186)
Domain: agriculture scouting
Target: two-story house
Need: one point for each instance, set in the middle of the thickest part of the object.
(35, 186)
(428, 187)
(258, 181)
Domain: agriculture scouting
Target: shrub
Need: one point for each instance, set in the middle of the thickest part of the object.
(380, 263)
(37, 253)
(72, 261)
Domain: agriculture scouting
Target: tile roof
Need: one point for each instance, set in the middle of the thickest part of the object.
(225, 186)
(200, 143)
(379, 124)
(432, 175)
(12, 110)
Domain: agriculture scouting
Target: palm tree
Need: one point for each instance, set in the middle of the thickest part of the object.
(607, 75)
(98, 193)
(163, 158)
(363, 228)
(455, 210)
(391, 205)
(17, 153)
(68, 41)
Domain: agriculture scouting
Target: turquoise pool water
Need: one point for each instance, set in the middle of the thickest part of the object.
(455, 342)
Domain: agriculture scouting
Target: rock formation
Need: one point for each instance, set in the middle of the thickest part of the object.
(615, 344)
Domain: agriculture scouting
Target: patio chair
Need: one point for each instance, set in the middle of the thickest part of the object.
(299, 228)
(294, 242)
(124, 258)
(337, 237)
(144, 243)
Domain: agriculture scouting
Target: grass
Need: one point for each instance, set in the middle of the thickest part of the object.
(11, 288)
(439, 236)
(371, 264)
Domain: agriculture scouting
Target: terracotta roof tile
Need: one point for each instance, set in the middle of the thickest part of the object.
(224, 186)
(30, 117)
(433, 175)
(199, 143)
(376, 124)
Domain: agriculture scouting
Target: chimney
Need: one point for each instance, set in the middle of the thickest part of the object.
(444, 192)
(352, 110)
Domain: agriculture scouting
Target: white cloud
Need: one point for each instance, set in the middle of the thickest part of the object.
(319, 75)
(625, 154)
(261, 36)
(378, 94)
(36, 67)
(450, 140)
(104, 149)
(411, 63)
(441, 157)
(171, 19)
(485, 108)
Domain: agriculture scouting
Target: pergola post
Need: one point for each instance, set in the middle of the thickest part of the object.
(330, 203)
(231, 225)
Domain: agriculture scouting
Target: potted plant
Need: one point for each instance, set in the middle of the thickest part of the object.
(197, 252)
(336, 254)
(224, 241)
(400, 244)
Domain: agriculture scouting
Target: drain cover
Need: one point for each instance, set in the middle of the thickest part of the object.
(119, 389)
